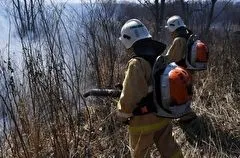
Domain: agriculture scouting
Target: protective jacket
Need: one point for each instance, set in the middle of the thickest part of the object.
(178, 49)
(144, 130)
(136, 86)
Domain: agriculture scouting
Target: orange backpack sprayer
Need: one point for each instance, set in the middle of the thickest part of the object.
(197, 55)
(172, 89)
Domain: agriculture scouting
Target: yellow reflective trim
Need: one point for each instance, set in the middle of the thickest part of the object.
(148, 128)
(177, 154)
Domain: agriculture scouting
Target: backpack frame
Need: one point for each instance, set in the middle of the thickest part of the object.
(191, 54)
(161, 92)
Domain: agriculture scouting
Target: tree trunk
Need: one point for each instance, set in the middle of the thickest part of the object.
(210, 16)
(157, 22)
(162, 13)
(185, 12)
(159, 15)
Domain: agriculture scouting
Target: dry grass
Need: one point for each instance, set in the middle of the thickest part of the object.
(216, 102)
(214, 134)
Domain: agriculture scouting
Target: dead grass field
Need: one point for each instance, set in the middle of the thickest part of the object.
(96, 132)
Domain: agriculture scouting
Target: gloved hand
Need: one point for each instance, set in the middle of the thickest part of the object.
(124, 117)
(125, 121)
(119, 86)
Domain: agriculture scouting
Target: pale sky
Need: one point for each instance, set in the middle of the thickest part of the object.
(79, 1)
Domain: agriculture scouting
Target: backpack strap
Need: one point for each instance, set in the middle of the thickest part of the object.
(145, 106)
(149, 50)
(190, 42)
(184, 32)
(182, 63)
(159, 68)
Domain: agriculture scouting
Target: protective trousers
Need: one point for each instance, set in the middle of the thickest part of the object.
(163, 139)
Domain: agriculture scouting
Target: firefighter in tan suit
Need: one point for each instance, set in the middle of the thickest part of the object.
(178, 49)
(180, 34)
(145, 128)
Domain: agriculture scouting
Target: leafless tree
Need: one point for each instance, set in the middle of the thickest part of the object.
(210, 16)
(158, 11)
(66, 49)
(101, 35)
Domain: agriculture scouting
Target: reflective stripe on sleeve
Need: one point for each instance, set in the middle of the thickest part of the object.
(148, 128)
(150, 89)
(124, 115)
(177, 154)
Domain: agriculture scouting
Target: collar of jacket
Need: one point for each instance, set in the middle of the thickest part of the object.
(182, 32)
(147, 49)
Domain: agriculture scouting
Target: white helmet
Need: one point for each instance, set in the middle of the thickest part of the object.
(174, 23)
(132, 31)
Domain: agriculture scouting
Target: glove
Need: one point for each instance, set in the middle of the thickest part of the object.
(119, 86)
(124, 117)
